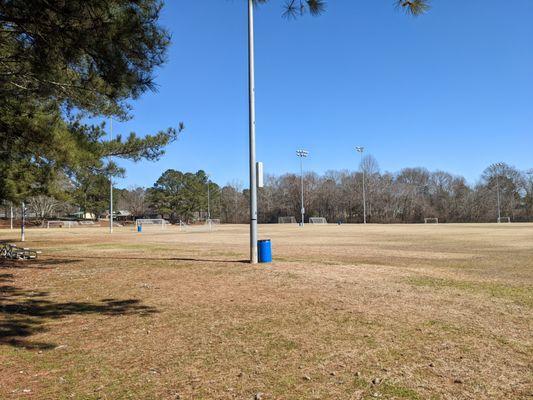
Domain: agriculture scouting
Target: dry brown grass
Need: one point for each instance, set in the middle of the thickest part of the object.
(432, 312)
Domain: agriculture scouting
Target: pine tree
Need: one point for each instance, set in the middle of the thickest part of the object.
(61, 61)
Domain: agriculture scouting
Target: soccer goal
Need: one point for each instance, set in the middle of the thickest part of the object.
(61, 224)
(317, 220)
(504, 220)
(286, 220)
(212, 224)
(87, 223)
(183, 226)
(209, 225)
(156, 223)
(431, 220)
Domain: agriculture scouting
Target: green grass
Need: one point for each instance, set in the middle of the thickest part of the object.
(385, 390)
(522, 295)
(391, 390)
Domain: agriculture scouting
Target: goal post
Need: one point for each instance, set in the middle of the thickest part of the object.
(212, 224)
(286, 220)
(61, 224)
(504, 220)
(318, 220)
(431, 220)
(209, 225)
(154, 222)
(183, 226)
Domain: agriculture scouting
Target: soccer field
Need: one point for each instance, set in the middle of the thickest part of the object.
(344, 312)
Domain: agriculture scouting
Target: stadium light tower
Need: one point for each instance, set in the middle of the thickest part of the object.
(497, 168)
(360, 150)
(251, 132)
(302, 154)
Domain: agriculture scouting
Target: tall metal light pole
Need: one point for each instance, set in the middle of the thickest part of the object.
(251, 121)
(498, 196)
(110, 182)
(360, 150)
(497, 168)
(530, 174)
(23, 224)
(208, 200)
(302, 154)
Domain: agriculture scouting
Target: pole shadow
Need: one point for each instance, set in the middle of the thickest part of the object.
(193, 259)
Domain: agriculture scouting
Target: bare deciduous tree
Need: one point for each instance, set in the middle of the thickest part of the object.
(43, 207)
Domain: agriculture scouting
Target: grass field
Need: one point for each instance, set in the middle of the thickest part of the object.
(344, 312)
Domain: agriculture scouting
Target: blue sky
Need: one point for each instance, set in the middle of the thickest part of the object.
(450, 90)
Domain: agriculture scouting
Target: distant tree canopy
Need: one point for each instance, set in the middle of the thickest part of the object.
(182, 196)
(407, 196)
(61, 61)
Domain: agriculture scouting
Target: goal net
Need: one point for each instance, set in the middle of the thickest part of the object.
(86, 223)
(147, 223)
(431, 220)
(208, 226)
(504, 219)
(286, 220)
(61, 224)
(317, 220)
(183, 226)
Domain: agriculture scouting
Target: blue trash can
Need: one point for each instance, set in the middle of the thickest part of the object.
(139, 228)
(265, 251)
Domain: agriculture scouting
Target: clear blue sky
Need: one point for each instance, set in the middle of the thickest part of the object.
(451, 90)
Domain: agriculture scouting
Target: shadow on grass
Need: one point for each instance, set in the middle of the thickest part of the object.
(206, 260)
(110, 257)
(41, 263)
(24, 313)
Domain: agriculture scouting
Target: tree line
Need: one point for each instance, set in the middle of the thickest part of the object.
(407, 196)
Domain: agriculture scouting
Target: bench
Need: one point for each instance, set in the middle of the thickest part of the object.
(13, 252)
